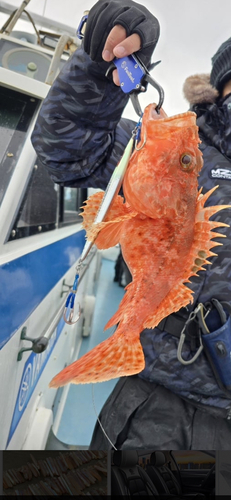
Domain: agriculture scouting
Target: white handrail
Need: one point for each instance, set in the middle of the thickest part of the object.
(54, 66)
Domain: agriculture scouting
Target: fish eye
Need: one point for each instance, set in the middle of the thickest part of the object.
(186, 161)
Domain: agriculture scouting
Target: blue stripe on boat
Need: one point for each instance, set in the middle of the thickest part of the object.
(26, 281)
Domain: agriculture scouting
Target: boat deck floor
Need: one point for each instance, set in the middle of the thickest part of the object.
(79, 416)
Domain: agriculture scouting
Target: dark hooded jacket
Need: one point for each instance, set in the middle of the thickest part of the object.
(80, 136)
(196, 382)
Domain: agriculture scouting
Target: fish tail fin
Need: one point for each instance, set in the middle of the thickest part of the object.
(118, 356)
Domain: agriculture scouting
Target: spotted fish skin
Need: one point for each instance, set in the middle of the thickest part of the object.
(166, 237)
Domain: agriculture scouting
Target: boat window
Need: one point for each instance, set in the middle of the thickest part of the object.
(194, 459)
(73, 199)
(16, 112)
(38, 211)
(45, 203)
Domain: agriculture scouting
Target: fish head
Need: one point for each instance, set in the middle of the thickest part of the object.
(162, 175)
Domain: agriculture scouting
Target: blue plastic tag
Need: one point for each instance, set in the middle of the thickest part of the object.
(130, 73)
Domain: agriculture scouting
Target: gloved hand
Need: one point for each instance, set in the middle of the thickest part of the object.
(133, 17)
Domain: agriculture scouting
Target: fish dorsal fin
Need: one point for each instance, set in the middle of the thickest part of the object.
(179, 296)
(107, 233)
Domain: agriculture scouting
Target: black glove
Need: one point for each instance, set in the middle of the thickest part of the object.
(133, 17)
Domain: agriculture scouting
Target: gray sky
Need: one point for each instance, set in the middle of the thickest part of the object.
(191, 32)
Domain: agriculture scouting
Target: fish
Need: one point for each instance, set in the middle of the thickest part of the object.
(166, 236)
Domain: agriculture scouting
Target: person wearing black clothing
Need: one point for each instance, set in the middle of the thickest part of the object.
(79, 137)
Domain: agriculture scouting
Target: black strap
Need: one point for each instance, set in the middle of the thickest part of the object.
(174, 324)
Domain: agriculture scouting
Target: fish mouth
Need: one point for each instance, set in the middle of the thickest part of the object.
(163, 126)
(179, 120)
(157, 115)
(161, 115)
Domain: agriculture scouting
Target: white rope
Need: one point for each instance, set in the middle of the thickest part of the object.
(97, 416)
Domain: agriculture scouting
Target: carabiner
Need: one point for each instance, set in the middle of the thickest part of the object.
(179, 350)
(69, 319)
(70, 302)
(82, 25)
(191, 317)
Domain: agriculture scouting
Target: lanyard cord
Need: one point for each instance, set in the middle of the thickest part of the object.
(93, 401)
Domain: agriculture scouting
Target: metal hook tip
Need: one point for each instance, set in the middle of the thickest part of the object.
(69, 320)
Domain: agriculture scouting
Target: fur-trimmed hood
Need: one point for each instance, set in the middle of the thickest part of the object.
(213, 112)
(197, 89)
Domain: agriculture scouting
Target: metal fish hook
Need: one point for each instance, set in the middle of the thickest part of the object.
(142, 145)
(70, 302)
(69, 319)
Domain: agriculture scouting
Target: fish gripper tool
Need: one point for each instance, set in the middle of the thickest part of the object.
(134, 77)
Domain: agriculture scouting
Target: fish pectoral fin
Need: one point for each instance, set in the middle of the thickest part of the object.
(118, 356)
(179, 296)
(107, 233)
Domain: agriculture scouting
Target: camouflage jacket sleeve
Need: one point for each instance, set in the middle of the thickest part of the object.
(79, 135)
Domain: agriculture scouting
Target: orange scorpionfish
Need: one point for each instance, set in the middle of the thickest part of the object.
(165, 236)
